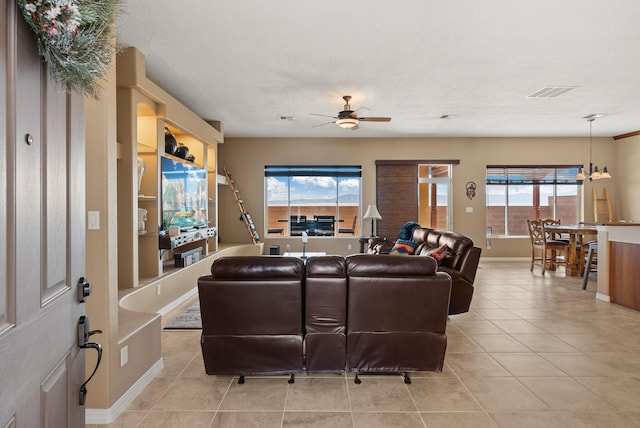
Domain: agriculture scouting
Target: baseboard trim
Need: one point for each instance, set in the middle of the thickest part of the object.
(603, 297)
(504, 259)
(107, 416)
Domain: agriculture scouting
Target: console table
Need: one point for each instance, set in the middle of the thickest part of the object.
(306, 254)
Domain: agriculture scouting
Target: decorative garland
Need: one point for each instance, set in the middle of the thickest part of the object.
(75, 38)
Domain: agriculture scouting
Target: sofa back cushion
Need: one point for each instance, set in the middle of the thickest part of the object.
(251, 267)
(326, 295)
(396, 294)
(326, 314)
(429, 239)
(459, 245)
(252, 295)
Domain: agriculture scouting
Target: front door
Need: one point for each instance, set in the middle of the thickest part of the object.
(42, 240)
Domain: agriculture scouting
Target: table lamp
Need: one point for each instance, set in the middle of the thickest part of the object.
(373, 215)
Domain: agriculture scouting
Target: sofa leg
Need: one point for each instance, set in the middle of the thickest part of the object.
(406, 378)
(241, 380)
(292, 379)
(357, 380)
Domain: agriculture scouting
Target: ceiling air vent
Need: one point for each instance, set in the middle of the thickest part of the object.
(551, 91)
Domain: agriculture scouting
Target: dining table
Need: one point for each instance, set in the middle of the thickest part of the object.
(576, 233)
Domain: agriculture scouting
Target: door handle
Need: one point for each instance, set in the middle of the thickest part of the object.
(84, 333)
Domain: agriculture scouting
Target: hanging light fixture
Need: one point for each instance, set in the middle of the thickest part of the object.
(347, 122)
(594, 172)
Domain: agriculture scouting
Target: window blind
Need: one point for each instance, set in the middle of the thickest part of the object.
(547, 174)
(312, 171)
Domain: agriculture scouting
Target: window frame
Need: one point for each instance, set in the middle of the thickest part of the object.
(567, 177)
(338, 172)
(448, 181)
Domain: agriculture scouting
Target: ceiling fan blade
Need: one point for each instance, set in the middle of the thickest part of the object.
(323, 124)
(323, 115)
(375, 119)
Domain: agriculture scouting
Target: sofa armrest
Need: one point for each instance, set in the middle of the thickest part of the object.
(469, 265)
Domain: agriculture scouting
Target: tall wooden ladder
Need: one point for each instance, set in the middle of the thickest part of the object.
(602, 207)
(244, 214)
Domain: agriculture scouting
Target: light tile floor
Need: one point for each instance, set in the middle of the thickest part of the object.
(534, 351)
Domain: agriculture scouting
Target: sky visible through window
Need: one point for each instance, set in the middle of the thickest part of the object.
(522, 195)
(312, 190)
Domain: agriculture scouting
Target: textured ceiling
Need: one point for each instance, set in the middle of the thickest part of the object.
(249, 62)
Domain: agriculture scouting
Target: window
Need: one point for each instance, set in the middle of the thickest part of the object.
(318, 200)
(517, 193)
(434, 190)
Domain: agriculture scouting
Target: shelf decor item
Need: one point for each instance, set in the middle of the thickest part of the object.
(75, 38)
(142, 167)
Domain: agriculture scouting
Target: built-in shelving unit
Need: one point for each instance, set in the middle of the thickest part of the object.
(144, 112)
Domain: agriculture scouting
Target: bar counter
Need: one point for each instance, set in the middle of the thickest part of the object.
(618, 263)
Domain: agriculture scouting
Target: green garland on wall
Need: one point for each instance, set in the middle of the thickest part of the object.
(75, 38)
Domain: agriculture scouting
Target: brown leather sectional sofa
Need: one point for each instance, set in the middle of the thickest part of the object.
(461, 263)
(362, 314)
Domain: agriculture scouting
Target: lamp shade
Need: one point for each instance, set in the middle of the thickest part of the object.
(372, 213)
(305, 238)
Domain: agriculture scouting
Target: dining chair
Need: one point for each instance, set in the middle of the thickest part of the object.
(591, 264)
(581, 249)
(549, 249)
(351, 230)
(325, 224)
(297, 225)
(554, 236)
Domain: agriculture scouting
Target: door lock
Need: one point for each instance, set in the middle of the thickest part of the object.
(84, 289)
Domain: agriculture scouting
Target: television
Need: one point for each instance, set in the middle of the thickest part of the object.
(184, 194)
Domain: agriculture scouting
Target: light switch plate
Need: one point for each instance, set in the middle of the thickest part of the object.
(468, 209)
(93, 220)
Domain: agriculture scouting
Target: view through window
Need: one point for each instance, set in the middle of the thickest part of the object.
(318, 200)
(434, 188)
(517, 193)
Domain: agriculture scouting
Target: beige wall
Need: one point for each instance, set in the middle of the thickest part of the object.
(102, 265)
(246, 158)
(628, 171)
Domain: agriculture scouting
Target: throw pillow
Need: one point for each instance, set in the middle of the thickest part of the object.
(403, 247)
(439, 254)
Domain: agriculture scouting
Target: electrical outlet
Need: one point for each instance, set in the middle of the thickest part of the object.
(158, 290)
(288, 247)
(124, 355)
(348, 246)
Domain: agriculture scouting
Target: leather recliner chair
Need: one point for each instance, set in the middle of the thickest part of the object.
(252, 316)
(397, 314)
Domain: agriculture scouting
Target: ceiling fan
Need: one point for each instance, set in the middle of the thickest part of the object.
(348, 118)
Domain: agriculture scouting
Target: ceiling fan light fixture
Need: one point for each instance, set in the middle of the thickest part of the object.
(347, 122)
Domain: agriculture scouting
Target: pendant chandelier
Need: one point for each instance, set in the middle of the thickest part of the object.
(594, 172)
